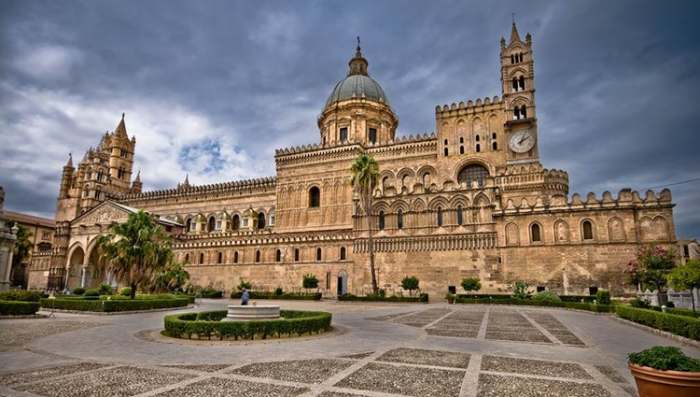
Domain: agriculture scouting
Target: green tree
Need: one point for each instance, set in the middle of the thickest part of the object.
(410, 284)
(686, 277)
(135, 251)
(172, 278)
(365, 175)
(471, 284)
(310, 281)
(245, 284)
(520, 290)
(654, 265)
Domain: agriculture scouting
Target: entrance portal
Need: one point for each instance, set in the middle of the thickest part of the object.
(342, 284)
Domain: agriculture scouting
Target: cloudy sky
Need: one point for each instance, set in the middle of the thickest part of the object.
(212, 88)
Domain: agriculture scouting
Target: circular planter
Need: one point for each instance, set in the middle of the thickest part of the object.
(655, 383)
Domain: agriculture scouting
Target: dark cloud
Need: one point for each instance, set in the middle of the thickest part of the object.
(212, 88)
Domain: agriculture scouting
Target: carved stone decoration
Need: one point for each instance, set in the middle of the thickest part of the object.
(561, 231)
(616, 229)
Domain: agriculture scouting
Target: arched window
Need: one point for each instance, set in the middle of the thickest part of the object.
(523, 111)
(381, 220)
(201, 259)
(587, 230)
(373, 135)
(535, 233)
(261, 220)
(318, 254)
(399, 219)
(188, 225)
(494, 145)
(343, 134)
(477, 138)
(478, 147)
(257, 256)
(235, 257)
(512, 58)
(447, 152)
(439, 216)
(220, 258)
(296, 254)
(314, 197)
(471, 173)
(460, 216)
(521, 83)
(342, 253)
(236, 222)
(278, 256)
(211, 225)
(461, 150)
(187, 258)
(515, 84)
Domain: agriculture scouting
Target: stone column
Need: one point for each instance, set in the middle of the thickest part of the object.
(83, 271)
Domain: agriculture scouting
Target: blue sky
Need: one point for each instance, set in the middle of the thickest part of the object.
(213, 88)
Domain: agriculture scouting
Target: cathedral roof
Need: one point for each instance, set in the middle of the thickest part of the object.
(357, 84)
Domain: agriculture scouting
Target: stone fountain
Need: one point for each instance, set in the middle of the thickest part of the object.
(252, 312)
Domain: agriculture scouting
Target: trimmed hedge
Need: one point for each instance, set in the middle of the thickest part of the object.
(422, 298)
(208, 325)
(680, 325)
(564, 298)
(528, 302)
(315, 296)
(18, 308)
(683, 312)
(116, 305)
(211, 293)
(21, 295)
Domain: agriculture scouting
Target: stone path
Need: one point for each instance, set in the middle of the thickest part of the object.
(385, 350)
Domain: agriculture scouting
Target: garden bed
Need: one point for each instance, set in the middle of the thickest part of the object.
(422, 298)
(18, 308)
(313, 296)
(208, 325)
(685, 326)
(113, 305)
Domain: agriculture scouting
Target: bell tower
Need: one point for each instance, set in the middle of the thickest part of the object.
(518, 88)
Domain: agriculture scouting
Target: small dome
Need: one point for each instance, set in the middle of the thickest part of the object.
(357, 86)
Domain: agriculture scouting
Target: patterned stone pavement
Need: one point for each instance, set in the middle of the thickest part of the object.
(385, 350)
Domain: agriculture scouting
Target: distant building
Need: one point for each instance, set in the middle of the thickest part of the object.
(470, 200)
(41, 234)
(8, 236)
(688, 249)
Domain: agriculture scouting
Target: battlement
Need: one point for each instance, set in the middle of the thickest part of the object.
(475, 106)
(626, 198)
(264, 183)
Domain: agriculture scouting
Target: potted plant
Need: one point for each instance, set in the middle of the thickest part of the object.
(664, 371)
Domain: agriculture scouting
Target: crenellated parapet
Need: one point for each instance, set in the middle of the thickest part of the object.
(248, 186)
(626, 199)
(532, 176)
(462, 108)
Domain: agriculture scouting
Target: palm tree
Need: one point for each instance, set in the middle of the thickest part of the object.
(135, 251)
(365, 175)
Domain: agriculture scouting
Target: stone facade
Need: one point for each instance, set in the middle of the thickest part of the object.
(472, 199)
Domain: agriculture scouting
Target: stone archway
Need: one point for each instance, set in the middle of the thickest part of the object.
(75, 268)
(93, 275)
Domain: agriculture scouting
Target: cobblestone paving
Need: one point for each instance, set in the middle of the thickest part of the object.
(484, 351)
(14, 334)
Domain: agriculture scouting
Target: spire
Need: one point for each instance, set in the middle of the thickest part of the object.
(138, 177)
(70, 160)
(121, 129)
(358, 64)
(514, 36)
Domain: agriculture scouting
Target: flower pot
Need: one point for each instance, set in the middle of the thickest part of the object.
(655, 383)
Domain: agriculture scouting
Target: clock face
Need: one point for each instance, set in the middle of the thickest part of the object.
(522, 141)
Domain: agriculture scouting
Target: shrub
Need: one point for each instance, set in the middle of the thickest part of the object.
(284, 296)
(410, 284)
(545, 297)
(126, 291)
(208, 325)
(244, 284)
(422, 298)
(640, 303)
(92, 292)
(471, 284)
(520, 290)
(683, 312)
(106, 289)
(279, 291)
(211, 293)
(114, 305)
(18, 308)
(670, 304)
(78, 291)
(665, 358)
(21, 295)
(603, 297)
(310, 281)
(680, 325)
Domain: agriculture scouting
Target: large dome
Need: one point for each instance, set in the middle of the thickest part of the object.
(357, 86)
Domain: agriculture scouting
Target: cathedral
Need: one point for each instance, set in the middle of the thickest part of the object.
(470, 200)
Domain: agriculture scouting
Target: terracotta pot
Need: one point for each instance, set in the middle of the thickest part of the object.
(654, 383)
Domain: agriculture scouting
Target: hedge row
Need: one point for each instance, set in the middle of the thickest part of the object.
(680, 325)
(514, 301)
(18, 308)
(117, 305)
(208, 325)
(21, 295)
(422, 298)
(683, 312)
(315, 296)
(564, 298)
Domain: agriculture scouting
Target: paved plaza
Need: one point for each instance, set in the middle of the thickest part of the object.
(375, 350)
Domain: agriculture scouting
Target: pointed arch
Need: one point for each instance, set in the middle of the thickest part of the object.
(616, 229)
(438, 202)
(561, 231)
(512, 234)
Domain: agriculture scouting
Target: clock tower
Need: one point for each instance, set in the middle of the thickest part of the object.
(518, 87)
